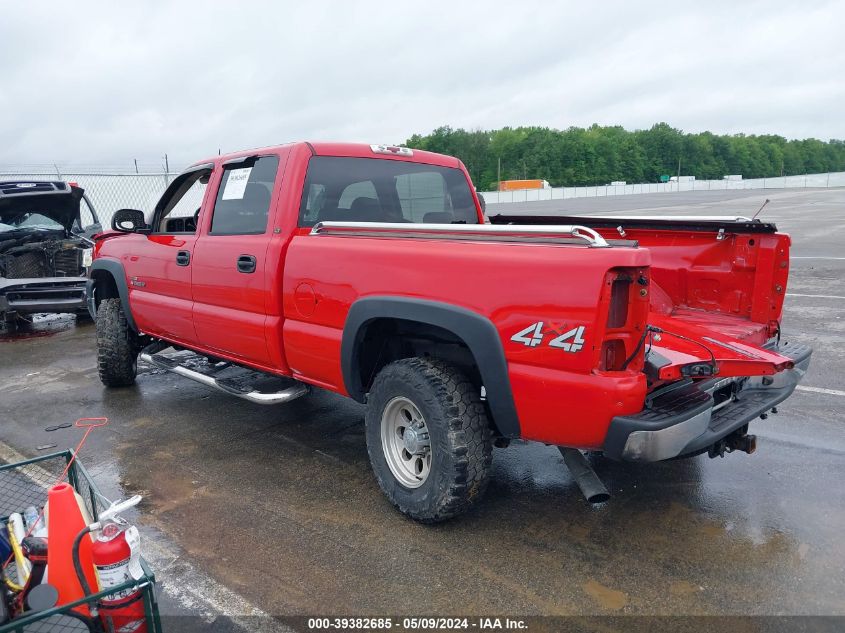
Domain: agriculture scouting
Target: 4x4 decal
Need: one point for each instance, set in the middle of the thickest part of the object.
(570, 341)
(531, 336)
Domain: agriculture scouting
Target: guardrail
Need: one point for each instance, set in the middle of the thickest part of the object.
(833, 179)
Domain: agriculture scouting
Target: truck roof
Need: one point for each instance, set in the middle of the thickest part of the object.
(351, 150)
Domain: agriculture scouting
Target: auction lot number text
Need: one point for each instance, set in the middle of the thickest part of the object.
(416, 624)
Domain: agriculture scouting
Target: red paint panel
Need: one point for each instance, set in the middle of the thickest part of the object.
(162, 305)
(733, 357)
(500, 281)
(313, 353)
(573, 409)
(230, 306)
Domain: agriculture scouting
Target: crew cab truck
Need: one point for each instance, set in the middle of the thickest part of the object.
(371, 271)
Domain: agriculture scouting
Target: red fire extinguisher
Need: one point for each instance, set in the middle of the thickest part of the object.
(117, 557)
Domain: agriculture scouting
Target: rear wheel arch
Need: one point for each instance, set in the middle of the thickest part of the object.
(383, 329)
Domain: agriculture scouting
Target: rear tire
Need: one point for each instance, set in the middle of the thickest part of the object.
(117, 345)
(428, 439)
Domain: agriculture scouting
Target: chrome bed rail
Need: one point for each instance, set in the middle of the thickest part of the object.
(402, 229)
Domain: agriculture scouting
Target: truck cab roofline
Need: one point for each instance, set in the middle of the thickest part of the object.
(339, 149)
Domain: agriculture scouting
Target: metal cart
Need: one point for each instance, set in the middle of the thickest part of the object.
(25, 483)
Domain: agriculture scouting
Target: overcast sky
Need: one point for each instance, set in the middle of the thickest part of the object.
(103, 83)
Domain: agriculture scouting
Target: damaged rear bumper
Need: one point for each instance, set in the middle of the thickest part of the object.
(46, 294)
(687, 418)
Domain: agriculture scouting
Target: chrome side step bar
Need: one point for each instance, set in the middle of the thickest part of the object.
(259, 397)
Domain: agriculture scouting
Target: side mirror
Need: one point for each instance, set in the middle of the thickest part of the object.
(129, 221)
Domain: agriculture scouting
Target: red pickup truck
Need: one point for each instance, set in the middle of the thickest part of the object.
(372, 271)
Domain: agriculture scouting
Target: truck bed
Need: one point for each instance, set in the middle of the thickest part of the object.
(717, 280)
(731, 325)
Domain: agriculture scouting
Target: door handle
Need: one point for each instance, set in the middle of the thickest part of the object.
(183, 258)
(246, 264)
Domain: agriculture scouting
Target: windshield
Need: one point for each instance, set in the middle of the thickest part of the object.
(29, 220)
(379, 190)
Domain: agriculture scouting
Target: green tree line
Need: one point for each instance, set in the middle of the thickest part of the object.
(599, 155)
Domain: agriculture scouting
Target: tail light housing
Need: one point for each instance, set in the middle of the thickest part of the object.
(620, 290)
(625, 309)
(612, 355)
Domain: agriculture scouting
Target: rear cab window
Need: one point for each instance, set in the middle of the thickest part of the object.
(342, 189)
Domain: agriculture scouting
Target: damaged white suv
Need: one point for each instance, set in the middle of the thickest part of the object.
(45, 248)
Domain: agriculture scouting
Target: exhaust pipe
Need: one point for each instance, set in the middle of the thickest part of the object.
(591, 486)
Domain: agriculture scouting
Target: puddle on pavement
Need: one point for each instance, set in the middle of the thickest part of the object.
(39, 325)
(605, 596)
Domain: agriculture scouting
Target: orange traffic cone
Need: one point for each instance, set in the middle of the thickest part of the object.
(65, 522)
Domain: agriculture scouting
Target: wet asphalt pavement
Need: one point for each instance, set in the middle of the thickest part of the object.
(279, 506)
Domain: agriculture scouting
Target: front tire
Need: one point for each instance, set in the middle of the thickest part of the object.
(117, 345)
(428, 439)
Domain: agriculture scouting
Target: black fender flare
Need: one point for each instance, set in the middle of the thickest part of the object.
(115, 269)
(475, 330)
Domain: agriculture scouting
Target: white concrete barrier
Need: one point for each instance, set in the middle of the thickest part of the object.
(833, 179)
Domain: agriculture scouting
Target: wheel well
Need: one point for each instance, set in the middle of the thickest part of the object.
(381, 329)
(105, 286)
(384, 340)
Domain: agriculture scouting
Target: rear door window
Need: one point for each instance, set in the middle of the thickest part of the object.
(243, 199)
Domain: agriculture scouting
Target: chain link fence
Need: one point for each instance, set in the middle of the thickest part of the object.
(110, 191)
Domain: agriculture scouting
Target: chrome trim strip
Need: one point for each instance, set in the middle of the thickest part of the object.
(591, 236)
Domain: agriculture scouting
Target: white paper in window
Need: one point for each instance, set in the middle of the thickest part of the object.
(236, 183)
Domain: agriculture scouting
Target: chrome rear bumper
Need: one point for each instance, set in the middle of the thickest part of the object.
(689, 417)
